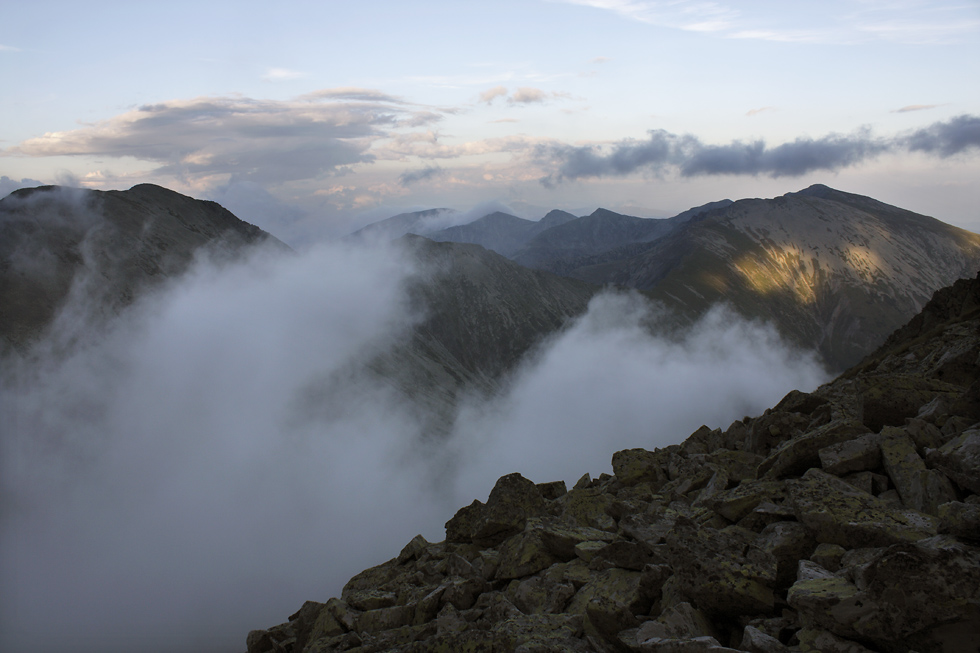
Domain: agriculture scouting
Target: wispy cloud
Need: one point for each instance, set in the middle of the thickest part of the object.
(424, 174)
(601, 60)
(9, 48)
(755, 112)
(916, 107)
(492, 94)
(281, 75)
(910, 21)
(522, 95)
(662, 151)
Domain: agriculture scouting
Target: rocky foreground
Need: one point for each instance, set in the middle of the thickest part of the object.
(845, 520)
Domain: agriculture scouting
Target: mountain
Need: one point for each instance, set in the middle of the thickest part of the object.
(557, 249)
(112, 245)
(482, 313)
(503, 233)
(847, 519)
(833, 271)
(416, 222)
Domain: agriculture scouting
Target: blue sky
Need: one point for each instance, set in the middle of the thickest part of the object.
(311, 118)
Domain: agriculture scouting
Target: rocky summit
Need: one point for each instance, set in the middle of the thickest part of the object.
(844, 520)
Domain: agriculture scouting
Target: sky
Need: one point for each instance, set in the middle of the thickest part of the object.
(311, 119)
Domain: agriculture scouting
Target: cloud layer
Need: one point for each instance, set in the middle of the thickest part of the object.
(321, 133)
(662, 152)
(211, 461)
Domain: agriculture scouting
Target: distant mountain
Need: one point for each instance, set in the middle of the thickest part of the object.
(500, 232)
(112, 245)
(832, 270)
(417, 222)
(559, 248)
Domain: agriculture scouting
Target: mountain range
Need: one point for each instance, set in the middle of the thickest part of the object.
(834, 271)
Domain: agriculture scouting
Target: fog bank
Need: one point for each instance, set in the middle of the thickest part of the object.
(181, 478)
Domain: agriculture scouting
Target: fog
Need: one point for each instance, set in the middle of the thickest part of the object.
(180, 478)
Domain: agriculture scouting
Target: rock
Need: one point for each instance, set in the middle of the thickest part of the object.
(828, 556)
(801, 453)
(373, 621)
(633, 466)
(541, 595)
(824, 641)
(466, 522)
(587, 507)
(553, 490)
(371, 599)
(840, 514)
(561, 539)
(920, 488)
(413, 549)
(720, 571)
(736, 503)
(524, 554)
(756, 641)
(960, 519)
(959, 459)
(787, 542)
(587, 550)
(855, 455)
(682, 621)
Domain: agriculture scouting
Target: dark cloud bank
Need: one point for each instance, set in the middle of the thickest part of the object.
(663, 151)
(181, 478)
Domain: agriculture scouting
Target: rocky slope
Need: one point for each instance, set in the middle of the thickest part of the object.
(110, 245)
(846, 520)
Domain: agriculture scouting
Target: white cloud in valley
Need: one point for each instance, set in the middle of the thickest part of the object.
(210, 459)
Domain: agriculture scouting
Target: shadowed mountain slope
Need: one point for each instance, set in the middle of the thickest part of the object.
(112, 245)
(481, 314)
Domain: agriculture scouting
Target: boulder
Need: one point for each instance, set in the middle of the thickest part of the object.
(723, 572)
(959, 459)
(838, 513)
(855, 455)
(920, 488)
(632, 466)
(797, 455)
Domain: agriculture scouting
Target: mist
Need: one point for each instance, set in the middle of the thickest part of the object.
(212, 458)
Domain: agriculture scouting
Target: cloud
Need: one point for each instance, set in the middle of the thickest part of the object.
(281, 75)
(423, 174)
(607, 383)
(9, 48)
(947, 138)
(8, 185)
(213, 458)
(662, 152)
(755, 112)
(916, 107)
(914, 21)
(320, 134)
(601, 60)
(528, 95)
(505, 120)
(492, 94)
